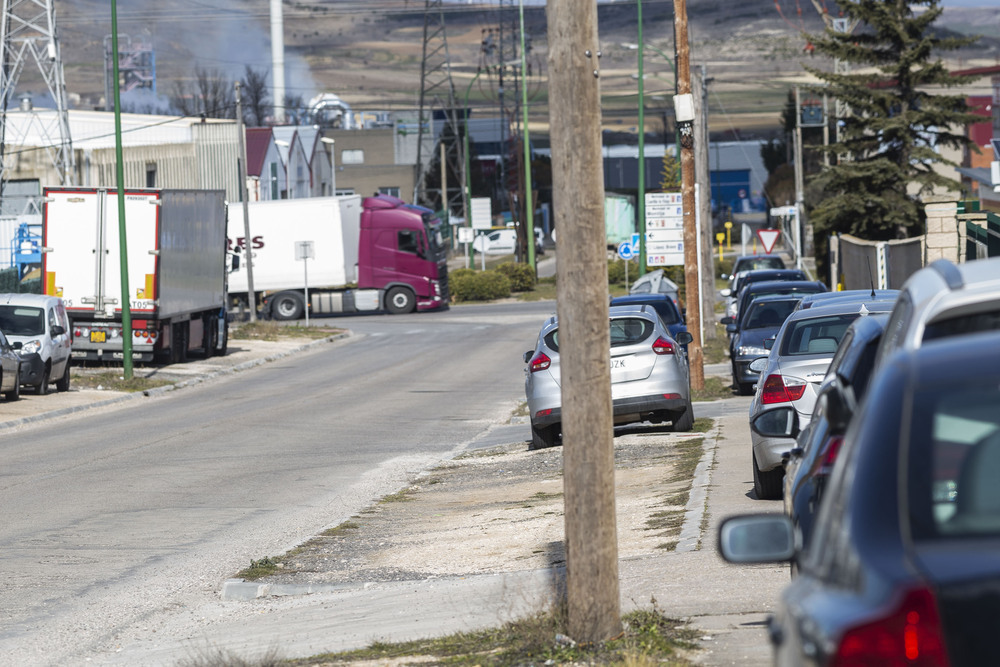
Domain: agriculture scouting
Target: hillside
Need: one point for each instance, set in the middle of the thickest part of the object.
(369, 52)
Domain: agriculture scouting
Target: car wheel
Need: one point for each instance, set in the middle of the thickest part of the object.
(685, 422)
(15, 393)
(543, 437)
(62, 384)
(43, 386)
(399, 300)
(767, 485)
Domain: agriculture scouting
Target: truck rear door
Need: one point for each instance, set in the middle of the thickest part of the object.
(83, 259)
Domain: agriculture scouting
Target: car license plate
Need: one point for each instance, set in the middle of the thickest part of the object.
(617, 363)
(98, 336)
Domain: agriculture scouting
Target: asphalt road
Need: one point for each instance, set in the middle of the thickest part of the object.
(117, 518)
(122, 524)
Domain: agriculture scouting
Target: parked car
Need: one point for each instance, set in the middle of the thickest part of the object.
(663, 304)
(657, 282)
(826, 298)
(754, 262)
(744, 278)
(944, 299)
(10, 370)
(791, 375)
(810, 461)
(904, 563)
(504, 242)
(765, 315)
(650, 380)
(754, 290)
(39, 324)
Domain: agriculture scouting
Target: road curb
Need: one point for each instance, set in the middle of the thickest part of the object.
(159, 391)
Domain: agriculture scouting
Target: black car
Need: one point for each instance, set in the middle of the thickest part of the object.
(764, 317)
(808, 465)
(754, 290)
(903, 566)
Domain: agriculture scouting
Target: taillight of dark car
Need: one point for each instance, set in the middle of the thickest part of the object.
(909, 634)
(778, 389)
(830, 455)
(663, 346)
(540, 362)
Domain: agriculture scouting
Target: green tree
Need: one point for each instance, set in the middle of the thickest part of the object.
(670, 173)
(887, 149)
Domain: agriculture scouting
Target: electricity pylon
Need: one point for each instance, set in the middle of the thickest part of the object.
(28, 32)
(437, 93)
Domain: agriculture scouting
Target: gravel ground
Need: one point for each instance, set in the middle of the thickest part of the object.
(493, 511)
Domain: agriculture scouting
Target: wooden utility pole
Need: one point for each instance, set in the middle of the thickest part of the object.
(684, 109)
(584, 338)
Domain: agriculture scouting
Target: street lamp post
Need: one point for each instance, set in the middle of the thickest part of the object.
(642, 152)
(333, 164)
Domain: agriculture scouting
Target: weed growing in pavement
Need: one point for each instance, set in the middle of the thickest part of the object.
(223, 658)
(703, 425)
(259, 569)
(113, 381)
(271, 331)
(403, 496)
(649, 638)
(340, 529)
(715, 388)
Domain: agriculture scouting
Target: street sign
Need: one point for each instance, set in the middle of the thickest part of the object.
(782, 211)
(768, 237)
(466, 234)
(482, 212)
(626, 251)
(664, 229)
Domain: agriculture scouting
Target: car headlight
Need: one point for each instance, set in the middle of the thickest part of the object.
(31, 346)
(751, 351)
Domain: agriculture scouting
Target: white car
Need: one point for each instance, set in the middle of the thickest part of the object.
(503, 242)
(41, 325)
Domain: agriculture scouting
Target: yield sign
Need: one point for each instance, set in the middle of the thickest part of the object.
(768, 237)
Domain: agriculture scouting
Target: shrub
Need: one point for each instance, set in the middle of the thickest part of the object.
(616, 271)
(521, 276)
(479, 286)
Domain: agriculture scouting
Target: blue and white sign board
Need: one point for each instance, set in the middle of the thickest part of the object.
(629, 249)
(482, 212)
(664, 229)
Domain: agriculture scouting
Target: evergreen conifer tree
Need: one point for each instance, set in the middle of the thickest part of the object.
(885, 158)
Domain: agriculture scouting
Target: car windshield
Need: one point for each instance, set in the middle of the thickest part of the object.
(624, 331)
(768, 315)
(22, 321)
(818, 335)
(956, 437)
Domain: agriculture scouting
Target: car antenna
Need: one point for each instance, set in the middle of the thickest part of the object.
(871, 278)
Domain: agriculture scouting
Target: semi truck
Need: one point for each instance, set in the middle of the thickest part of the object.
(343, 254)
(175, 244)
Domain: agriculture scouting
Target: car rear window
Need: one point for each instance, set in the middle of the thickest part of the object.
(624, 331)
(819, 335)
(955, 462)
(759, 263)
(963, 324)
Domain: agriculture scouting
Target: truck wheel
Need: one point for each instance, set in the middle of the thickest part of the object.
(400, 300)
(179, 343)
(287, 306)
(62, 384)
(210, 326)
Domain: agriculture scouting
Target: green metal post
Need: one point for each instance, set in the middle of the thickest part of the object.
(641, 204)
(120, 181)
(528, 203)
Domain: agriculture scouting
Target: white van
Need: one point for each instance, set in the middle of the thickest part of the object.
(39, 324)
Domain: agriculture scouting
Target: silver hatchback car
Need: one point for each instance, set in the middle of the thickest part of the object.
(650, 380)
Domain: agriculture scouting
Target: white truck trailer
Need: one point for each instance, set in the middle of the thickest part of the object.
(176, 263)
